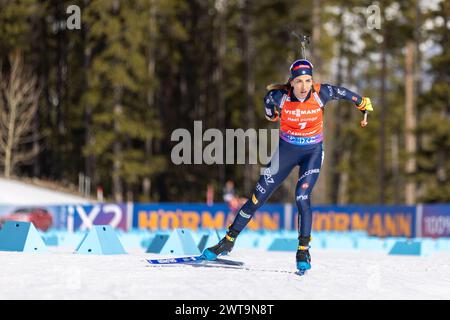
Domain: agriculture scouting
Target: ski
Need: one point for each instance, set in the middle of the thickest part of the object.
(193, 260)
(200, 261)
(217, 264)
(190, 259)
(220, 262)
(227, 262)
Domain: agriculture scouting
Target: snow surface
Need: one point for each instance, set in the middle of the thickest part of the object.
(19, 193)
(60, 274)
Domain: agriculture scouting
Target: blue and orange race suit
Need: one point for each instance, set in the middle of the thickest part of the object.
(302, 121)
(300, 144)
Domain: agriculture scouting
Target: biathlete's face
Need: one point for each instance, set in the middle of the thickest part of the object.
(302, 84)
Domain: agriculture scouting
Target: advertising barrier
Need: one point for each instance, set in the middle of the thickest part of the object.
(435, 220)
(202, 216)
(382, 221)
(82, 217)
(71, 217)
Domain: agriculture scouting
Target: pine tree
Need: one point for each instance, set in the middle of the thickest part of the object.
(434, 123)
(122, 120)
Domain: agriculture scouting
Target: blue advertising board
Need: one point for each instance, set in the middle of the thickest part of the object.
(82, 217)
(202, 216)
(381, 221)
(435, 220)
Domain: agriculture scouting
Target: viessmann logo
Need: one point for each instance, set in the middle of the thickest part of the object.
(298, 112)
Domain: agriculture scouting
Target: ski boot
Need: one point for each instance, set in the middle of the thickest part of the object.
(303, 257)
(223, 247)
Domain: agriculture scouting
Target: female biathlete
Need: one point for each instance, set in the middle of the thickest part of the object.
(300, 102)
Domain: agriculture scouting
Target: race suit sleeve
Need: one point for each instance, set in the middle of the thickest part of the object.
(329, 92)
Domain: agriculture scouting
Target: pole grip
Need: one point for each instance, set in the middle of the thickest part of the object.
(364, 120)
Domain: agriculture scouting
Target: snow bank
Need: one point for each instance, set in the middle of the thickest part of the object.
(19, 193)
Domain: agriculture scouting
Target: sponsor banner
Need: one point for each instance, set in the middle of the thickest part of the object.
(201, 216)
(68, 217)
(431, 220)
(381, 221)
(83, 217)
(44, 217)
(436, 220)
(8, 210)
